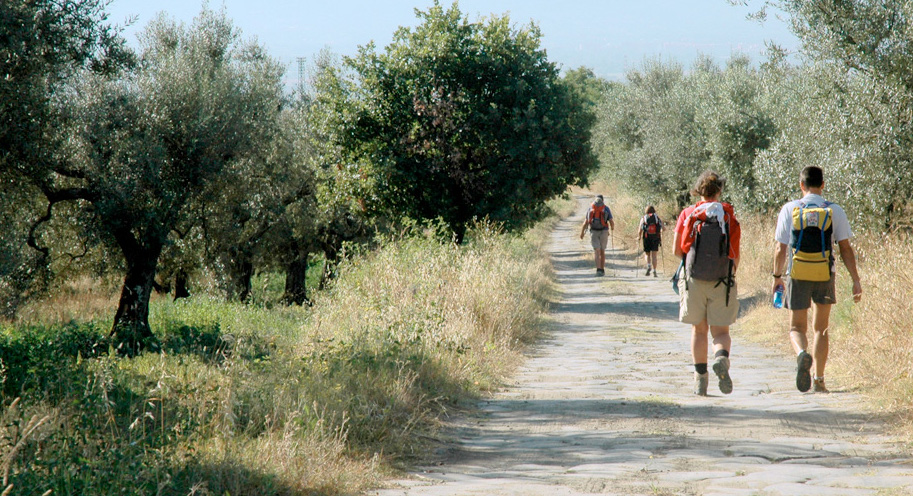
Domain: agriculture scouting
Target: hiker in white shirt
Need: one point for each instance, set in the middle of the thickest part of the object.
(802, 292)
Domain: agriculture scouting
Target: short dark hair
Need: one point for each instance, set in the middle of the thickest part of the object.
(708, 184)
(651, 210)
(812, 176)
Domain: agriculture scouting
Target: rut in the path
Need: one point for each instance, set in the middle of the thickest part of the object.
(604, 406)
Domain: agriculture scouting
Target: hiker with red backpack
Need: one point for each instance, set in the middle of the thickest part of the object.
(806, 231)
(707, 237)
(650, 229)
(599, 221)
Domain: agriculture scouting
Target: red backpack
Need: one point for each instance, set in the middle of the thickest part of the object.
(598, 217)
(651, 226)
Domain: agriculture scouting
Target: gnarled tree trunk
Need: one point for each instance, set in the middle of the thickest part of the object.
(180, 285)
(295, 279)
(241, 273)
(131, 332)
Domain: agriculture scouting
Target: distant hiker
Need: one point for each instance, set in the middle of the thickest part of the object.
(599, 221)
(707, 238)
(806, 231)
(650, 231)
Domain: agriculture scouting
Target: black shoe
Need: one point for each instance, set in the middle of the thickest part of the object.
(803, 372)
(648, 270)
(600, 272)
(654, 274)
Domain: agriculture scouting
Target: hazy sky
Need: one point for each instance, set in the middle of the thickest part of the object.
(608, 36)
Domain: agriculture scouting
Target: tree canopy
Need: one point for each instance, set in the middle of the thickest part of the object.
(460, 120)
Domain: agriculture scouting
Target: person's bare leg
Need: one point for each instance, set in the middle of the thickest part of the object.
(600, 259)
(721, 338)
(798, 336)
(798, 329)
(722, 341)
(699, 342)
(821, 339)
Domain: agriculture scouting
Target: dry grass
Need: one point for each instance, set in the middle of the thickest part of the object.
(82, 299)
(250, 400)
(879, 326)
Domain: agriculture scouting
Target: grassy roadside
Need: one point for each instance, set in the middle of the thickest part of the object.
(251, 401)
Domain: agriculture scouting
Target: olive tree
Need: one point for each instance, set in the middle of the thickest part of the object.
(142, 145)
(861, 75)
(43, 43)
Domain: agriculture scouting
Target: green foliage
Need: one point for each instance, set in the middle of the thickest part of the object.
(662, 128)
(249, 400)
(43, 44)
(463, 120)
(137, 147)
(846, 110)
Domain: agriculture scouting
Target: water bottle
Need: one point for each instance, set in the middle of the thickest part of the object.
(778, 296)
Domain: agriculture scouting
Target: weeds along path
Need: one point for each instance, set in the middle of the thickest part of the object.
(604, 406)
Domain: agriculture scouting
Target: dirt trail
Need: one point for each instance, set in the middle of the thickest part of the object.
(604, 406)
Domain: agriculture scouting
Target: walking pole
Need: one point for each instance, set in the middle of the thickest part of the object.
(612, 240)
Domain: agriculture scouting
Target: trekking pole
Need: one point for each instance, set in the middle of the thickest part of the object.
(612, 240)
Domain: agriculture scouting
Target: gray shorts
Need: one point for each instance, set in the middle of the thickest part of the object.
(599, 239)
(801, 294)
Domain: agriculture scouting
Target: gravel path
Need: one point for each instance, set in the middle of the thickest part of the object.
(604, 406)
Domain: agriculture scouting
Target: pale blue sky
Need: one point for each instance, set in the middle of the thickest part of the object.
(608, 36)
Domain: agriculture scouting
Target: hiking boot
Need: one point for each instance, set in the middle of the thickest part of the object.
(700, 383)
(648, 270)
(600, 272)
(721, 369)
(819, 386)
(803, 374)
(654, 274)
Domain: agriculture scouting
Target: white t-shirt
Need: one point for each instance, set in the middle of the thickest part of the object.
(785, 219)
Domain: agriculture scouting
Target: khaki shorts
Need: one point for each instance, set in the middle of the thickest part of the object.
(599, 239)
(701, 300)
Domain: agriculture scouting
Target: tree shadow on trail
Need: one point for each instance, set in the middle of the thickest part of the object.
(632, 429)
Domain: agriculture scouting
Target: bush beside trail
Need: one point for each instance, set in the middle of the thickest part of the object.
(247, 400)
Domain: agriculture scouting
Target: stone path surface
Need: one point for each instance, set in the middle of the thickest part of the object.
(604, 406)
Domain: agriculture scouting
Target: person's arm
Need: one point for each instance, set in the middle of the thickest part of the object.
(848, 255)
(583, 228)
(677, 245)
(779, 265)
(612, 223)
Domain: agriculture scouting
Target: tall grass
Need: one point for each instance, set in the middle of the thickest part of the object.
(248, 400)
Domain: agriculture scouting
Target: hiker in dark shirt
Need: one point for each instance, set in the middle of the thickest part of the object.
(650, 231)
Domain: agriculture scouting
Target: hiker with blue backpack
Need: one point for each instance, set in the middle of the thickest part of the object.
(651, 229)
(706, 239)
(806, 231)
(599, 221)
